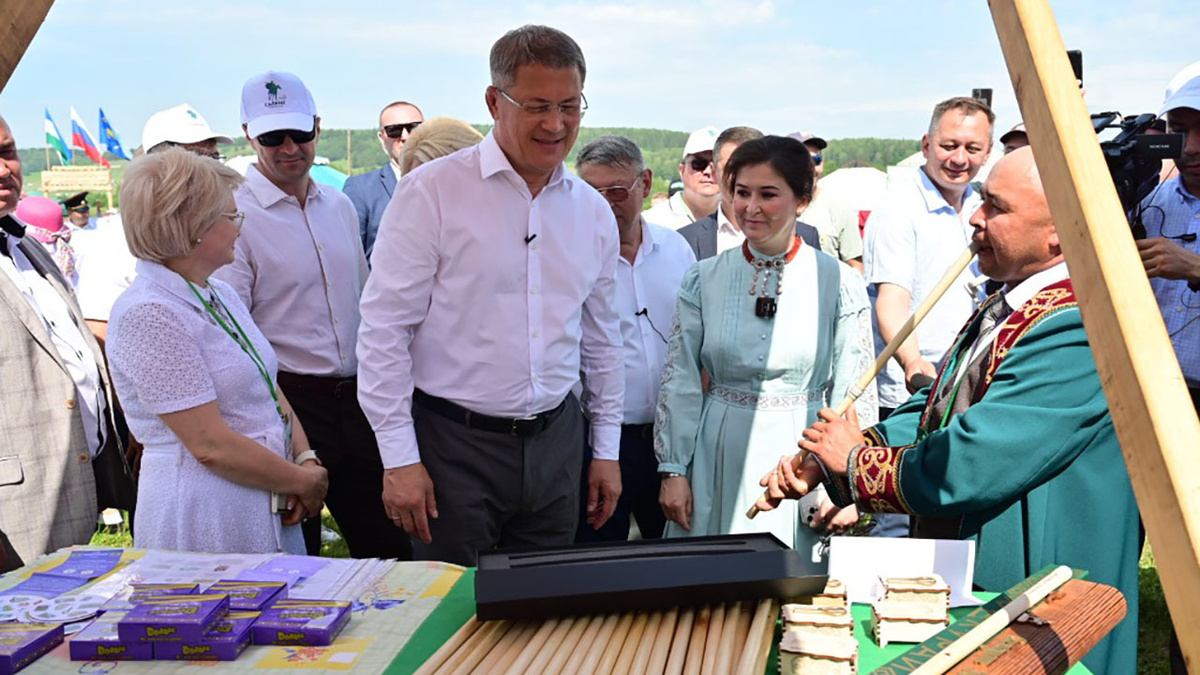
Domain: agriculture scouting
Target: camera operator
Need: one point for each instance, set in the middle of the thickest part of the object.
(1171, 214)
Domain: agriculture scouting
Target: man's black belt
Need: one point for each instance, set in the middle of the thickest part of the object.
(337, 387)
(521, 427)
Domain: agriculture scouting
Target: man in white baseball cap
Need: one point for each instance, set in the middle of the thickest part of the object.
(700, 190)
(299, 268)
(182, 126)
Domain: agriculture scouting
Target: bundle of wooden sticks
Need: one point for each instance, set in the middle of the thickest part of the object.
(726, 638)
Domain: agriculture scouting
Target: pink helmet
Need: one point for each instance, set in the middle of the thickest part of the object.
(43, 215)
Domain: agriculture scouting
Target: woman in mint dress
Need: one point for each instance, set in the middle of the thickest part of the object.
(782, 329)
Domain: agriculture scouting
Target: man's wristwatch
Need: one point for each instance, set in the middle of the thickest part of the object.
(307, 455)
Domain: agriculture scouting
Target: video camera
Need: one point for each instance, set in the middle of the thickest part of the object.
(1134, 157)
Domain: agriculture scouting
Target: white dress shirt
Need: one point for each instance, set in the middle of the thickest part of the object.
(301, 273)
(646, 293)
(104, 267)
(728, 236)
(493, 299)
(67, 338)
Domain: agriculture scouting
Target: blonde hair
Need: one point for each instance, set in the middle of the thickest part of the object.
(171, 198)
(436, 138)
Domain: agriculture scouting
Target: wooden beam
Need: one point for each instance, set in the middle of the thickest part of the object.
(1149, 401)
(19, 22)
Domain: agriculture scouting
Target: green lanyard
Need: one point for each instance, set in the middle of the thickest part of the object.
(241, 339)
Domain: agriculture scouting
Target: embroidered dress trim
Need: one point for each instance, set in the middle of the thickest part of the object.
(746, 399)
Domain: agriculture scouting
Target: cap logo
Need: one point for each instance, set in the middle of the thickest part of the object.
(274, 100)
(192, 114)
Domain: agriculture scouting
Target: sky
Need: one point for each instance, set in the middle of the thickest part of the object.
(849, 68)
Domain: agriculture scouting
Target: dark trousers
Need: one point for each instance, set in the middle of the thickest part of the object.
(639, 490)
(345, 443)
(496, 490)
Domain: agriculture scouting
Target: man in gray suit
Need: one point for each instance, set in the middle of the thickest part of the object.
(370, 192)
(60, 461)
(719, 232)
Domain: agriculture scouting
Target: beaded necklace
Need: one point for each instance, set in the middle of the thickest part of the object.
(766, 306)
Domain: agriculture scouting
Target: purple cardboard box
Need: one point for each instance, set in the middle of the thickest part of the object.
(172, 618)
(131, 597)
(22, 643)
(301, 622)
(99, 641)
(224, 641)
(252, 596)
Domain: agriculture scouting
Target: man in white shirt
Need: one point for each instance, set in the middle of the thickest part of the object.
(649, 272)
(299, 268)
(59, 458)
(914, 237)
(493, 287)
(701, 190)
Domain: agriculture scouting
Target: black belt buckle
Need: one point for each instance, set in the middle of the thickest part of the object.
(520, 430)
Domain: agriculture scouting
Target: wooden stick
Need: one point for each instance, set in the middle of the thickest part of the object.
(509, 649)
(964, 259)
(612, 649)
(756, 638)
(603, 638)
(529, 652)
(570, 645)
(725, 648)
(467, 657)
(741, 636)
(988, 628)
(1146, 392)
(679, 645)
(694, 659)
(590, 638)
(712, 641)
(641, 656)
(553, 644)
(620, 664)
(662, 644)
(446, 650)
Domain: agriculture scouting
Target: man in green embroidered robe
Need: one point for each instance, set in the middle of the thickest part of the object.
(1012, 446)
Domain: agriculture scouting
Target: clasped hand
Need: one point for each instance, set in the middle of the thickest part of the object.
(830, 440)
(308, 504)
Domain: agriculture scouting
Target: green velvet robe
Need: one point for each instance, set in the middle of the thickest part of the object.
(1031, 471)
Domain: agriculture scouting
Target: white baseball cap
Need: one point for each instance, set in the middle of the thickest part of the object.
(701, 140)
(1183, 90)
(181, 124)
(276, 100)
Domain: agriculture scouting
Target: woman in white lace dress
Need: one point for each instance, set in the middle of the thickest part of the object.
(783, 330)
(197, 379)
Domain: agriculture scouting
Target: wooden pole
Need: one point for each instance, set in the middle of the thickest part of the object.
(571, 645)
(553, 644)
(763, 617)
(19, 22)
(641, 657)
(531, 648)
(694, 659)
(729, 638)
(679, 645)
(446, 650)
(467, 657)
(611, 649)
(712, 642)
(605, 635)
(662, 643)
(1149, 402)
(349, 164)
(508, 650)
(620, 664)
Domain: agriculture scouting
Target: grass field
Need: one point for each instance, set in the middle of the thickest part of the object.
(1154, 631)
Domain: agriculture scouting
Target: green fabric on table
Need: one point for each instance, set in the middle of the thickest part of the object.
(450, 614)
(459, 605)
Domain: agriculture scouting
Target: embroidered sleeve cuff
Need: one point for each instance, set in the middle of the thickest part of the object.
(874, 477)
(874, 438)
(398, 447)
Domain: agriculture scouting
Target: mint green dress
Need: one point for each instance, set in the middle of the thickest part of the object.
(769, 377)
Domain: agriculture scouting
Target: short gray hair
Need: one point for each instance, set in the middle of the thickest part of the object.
(529, 45)
(612, 150)
(966, 105)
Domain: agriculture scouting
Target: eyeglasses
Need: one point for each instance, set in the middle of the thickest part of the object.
(397, 130)
(817, 158)
(238, 218)
(274, 139)
(568, 110)
(699, 164)
(617, 193)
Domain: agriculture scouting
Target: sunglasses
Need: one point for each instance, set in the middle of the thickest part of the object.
(617, 193)
(817, 158)
(274, 139)
(699, 164)
(397, 130)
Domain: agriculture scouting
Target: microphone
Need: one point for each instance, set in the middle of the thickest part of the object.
(643, 312)
(530, 238)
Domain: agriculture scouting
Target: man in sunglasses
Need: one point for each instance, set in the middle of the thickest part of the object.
(370, 192)
(700, 192)
(299, 268)
(833, 218)
(493, 288)
(649, 273)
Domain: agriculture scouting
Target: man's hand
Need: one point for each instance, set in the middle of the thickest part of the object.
(832, 519)
(918, 367)
(1165, 259)
(831, 438)
(786, 482)
(675, 498)
(604, 489)
(408, 499)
